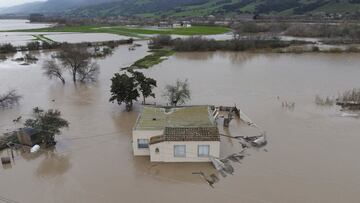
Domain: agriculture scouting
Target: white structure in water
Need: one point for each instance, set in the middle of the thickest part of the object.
(180, 134)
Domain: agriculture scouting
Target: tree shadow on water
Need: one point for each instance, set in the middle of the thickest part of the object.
(53, 165)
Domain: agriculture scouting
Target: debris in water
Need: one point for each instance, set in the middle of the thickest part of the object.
(5, 160)
(35, 149)
(17, 119)
(211, 181)
(354, 115)
(222, 166)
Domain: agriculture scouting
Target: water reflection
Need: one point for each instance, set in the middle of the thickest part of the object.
(237, 58)
(53, 165)
(202, 56)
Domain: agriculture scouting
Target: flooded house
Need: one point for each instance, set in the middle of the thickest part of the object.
(176, 134)
(28, 136)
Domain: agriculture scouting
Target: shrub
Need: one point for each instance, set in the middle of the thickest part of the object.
(7, 48)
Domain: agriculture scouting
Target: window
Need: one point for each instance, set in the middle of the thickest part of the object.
(203, 150)
(143, 143)
(179, 151)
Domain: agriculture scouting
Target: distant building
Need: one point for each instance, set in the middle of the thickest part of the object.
(164, 24)
(176, 25)
(182, 24)
(179, 134)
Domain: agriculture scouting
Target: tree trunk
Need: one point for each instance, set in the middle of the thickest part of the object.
(62, 80)
(144, 100)
(74, 76)
(129, 106)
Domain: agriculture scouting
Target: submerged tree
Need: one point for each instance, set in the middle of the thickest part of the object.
(89, 73)
(124, 90)
(178, 93)
(9, 99)
(52, 69)
(77, 60)
(47, 123)
(146, 85)
(350, 96)
(127, 88)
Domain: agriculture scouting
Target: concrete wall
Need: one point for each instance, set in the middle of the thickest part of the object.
(166, 151)
(143, 134)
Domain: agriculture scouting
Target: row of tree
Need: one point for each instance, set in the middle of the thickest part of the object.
(127, 87)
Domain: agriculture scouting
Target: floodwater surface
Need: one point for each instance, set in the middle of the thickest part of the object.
(16, 24)
(312, 155)
(18, 39)
(84, 37)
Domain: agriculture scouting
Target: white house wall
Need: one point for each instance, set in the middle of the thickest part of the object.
(166, 151)
(143, 134)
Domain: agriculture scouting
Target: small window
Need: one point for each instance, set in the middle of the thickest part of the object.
(157, 150)
(143, 143)
(203, 150)
(179, 151)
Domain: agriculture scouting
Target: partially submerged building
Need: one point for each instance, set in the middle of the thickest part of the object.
(179, 134)
(28, 136)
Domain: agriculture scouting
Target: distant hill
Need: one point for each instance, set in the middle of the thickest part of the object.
(51, 6)
(152, 8)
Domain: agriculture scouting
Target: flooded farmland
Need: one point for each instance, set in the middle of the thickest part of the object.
(15, 24)
(311, 155)
(22, 38)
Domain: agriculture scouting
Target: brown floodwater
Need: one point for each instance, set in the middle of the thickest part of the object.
(312, 154)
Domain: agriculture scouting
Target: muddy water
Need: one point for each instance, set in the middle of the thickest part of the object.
(312, 151)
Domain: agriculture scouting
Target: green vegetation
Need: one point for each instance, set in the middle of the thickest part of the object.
(132, 32)
(185, 8)
(179, 8)
(7, 48)
(155, 58)
(127, 88)
(43, 39)
(47, 123)
(178, 93)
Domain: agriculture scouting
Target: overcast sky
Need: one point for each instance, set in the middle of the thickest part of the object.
(7, 3)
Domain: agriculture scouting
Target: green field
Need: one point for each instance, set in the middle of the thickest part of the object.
(136, 32)
(155, 58)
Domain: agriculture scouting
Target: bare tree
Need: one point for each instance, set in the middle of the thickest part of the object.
(178, 93)
(9, 99)
(89, 73)
(77, 60)
(52, 69)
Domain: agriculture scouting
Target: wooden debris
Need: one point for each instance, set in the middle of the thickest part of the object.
(211, 181)
(5, 160)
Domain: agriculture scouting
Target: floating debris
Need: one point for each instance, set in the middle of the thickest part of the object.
(353, 115)
(224, 167)
(5, 160)
(234, 158)
(211, 181)
(16, 120)
(35, 149)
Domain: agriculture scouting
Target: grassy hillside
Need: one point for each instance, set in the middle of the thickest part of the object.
(155, 8)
